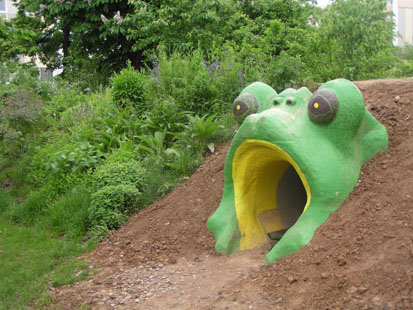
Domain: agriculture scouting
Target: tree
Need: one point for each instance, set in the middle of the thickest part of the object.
(15, 39)
(354, 40)
(69, 31)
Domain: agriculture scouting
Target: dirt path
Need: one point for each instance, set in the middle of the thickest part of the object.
(361, 258)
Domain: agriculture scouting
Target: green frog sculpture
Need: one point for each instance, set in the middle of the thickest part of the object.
(294, 160)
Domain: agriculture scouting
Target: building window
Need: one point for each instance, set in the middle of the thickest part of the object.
(2, 5)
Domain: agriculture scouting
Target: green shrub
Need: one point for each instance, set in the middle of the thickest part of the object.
(57, 171)
(165, 116)
(119, 173)
(285, 72)
(65, 97)
(128, 89)
(204, 84)
(199, 132)
(111, 205)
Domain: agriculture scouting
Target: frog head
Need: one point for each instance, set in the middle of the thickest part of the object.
(294, 160)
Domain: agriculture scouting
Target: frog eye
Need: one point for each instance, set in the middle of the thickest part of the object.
(245, 104)
(323, 106)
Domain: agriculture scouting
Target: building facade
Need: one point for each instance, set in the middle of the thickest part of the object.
(403, 14)
(7, 9)
(405, 21)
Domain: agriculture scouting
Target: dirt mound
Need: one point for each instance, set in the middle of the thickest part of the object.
(361, 258)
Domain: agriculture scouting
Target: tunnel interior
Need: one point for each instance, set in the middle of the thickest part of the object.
(270, 191)
(290, 201)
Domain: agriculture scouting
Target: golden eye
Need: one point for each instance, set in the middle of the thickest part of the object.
(238, 107)
(316, 105)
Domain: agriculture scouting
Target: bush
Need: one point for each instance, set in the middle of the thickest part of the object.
(119, 173)
(61, 170)
(111, 205)
(128, 89)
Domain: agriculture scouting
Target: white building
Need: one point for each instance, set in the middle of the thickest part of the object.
(403, 11)
(7, 9)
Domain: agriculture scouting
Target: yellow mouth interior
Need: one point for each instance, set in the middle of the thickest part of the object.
(270, 191)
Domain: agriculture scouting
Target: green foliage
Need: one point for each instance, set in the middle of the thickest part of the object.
(183, 160)
(404, 65)
(286, 71)
(116, 173)
(154, 144)
(165, 116)
(79, 157)
(61, 170)
(16, 38)
(69, 215)
(32, 209)
(128, 89)
(118, 187)
(66, 96)
(31, 260)
(183, 24)
(18, 113)
(200, 130)
(354, 41)
(6, 201)
(77, 29)
(199, 85)
(111, 205)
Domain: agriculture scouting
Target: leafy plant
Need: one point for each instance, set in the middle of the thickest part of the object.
(119, 173)
(200, 130)
(80, 157)
(183, 160)
(111, 205)
(165, 115)
(154, 144)
(18, 114)
(128, 89)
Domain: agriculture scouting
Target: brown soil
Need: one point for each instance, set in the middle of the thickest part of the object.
(361, 258)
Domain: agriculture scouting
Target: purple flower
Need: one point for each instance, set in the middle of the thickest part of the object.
(206, 64)
(240, 74)
(208, 67)
(157, 74)
(215, 65)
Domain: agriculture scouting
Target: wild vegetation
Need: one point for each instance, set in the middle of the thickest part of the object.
(146, 92)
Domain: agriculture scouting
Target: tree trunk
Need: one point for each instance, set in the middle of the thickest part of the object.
(66, 44)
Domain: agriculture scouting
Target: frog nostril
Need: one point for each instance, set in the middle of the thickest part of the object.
(289, 102)
(276, 102)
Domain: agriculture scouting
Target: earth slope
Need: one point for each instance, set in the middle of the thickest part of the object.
(361, 258)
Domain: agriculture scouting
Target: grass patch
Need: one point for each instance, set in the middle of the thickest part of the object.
(30, 260)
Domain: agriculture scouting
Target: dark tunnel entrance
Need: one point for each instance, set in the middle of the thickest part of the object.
(291, 199)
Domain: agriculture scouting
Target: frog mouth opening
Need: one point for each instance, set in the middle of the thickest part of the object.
(271, 192)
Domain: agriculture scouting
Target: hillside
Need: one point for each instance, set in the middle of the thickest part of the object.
(361, 258)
